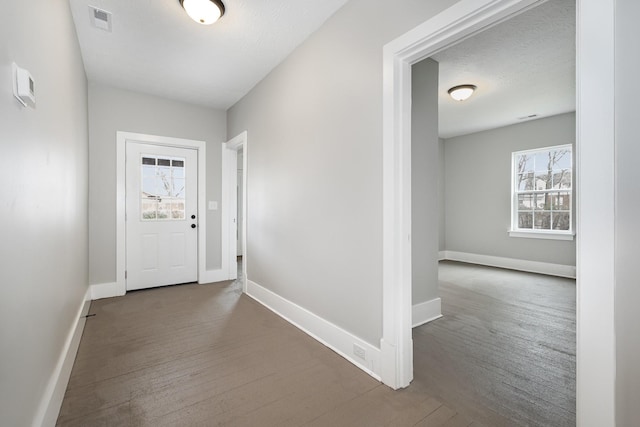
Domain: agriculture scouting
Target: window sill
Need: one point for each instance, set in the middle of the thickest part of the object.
(537, 234)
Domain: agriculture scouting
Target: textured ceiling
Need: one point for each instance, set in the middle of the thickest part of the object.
(523, 66)
(155, 48)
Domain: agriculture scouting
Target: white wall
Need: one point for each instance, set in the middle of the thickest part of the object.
(43, 209)
(478, 188)
(627, 235)
(424, 181)
(315, 165)
(112, 110)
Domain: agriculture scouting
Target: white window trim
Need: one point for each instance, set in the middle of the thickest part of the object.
(543, 234)
(537, 233)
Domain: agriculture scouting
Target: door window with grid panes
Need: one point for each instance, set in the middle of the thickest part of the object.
(163, 188)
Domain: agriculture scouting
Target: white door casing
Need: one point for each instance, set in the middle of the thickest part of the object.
(161, 215)
(461, 20)
(236, 221)
(122, 138)
(595, 116)
(240, 212)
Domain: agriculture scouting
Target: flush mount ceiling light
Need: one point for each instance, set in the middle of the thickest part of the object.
(204, 12)
(462, 92)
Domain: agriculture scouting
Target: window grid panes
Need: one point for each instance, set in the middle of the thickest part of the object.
(542, 189)
(162, 196)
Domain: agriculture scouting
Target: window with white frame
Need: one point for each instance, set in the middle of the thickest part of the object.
(542, 186)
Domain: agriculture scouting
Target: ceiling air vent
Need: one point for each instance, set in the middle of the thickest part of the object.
(100, 18)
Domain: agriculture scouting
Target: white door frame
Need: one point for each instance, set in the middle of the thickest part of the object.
(595, 225)
(121, 140)
(229, 211)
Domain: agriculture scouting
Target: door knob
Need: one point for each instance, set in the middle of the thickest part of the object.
(193, 226)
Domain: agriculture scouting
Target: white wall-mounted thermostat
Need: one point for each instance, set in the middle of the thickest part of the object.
(23, 86)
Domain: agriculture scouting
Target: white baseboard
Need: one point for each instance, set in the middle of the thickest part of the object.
(212, 276)
(425, 312)
(334, 337)
(513, 264)
(110, 290)
(51, 402)
(106, 290)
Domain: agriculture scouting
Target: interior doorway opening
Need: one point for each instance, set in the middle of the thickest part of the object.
(481, 177)
(235, 163)
(240, 203)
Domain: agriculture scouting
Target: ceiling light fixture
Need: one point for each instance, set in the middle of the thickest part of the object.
(462, 92)
(204, 12)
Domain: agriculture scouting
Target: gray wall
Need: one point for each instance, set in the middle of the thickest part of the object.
(315, 165)
(424, 181)
(442, 220)
(43, 209)
(112, 110)
(478, 189)
(627, 235)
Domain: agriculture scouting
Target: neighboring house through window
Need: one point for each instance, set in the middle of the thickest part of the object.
(541, 193)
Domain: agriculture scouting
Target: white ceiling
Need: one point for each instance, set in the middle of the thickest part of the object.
(523, 66)
(155, 48)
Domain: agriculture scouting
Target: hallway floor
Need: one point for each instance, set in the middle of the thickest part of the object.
(208, 355)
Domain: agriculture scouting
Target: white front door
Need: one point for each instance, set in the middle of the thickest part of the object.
(161, 215)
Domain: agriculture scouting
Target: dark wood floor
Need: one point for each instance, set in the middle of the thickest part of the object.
(206, 355)
(504, 352)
